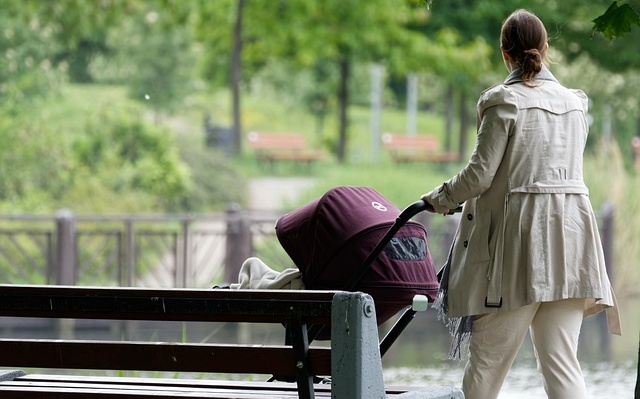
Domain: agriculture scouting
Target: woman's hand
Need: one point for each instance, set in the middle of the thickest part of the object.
(431, 198)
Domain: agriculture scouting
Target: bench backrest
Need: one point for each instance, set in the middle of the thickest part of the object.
(406, 142)
(277, 141)
(353, 359)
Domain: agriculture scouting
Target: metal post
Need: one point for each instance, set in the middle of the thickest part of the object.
(239, 244)
(66, 264)
(607, 234)
(356, 367)
(66, 249)
(186, 251)
(607, 230)
(130, 251)
(51, 260)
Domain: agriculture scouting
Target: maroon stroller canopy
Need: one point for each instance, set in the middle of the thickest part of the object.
(329, 239)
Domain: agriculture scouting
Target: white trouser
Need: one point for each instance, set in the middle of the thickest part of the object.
(554, 328)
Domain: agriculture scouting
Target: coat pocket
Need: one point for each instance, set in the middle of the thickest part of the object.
(479, 245)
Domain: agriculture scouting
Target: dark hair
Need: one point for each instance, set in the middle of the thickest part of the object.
(524, 38)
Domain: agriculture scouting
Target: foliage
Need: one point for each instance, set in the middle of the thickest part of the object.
(129, 155)
(26, 69)
(613, 99)
(293, 48)
(78, 29)
(152, 56)
(212, 27)
(37, 161)
(617, 21)
(312, 88)
(216, 181)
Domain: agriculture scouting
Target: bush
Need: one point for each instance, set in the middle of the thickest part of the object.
(216, 182)
(127, 155)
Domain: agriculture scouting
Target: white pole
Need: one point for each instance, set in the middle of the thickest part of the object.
(606, 123)
(412, 103)
(377, 71)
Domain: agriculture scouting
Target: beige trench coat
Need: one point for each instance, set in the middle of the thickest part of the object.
(528, 232)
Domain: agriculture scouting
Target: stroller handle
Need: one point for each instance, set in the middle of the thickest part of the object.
(419, 206)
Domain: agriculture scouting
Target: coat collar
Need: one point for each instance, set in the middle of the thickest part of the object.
(544, 74)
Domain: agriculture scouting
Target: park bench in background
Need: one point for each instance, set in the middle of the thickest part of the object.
(274, 147)
(353, 360)
(416, 148)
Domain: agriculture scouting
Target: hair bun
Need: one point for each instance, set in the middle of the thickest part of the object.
(531, 61)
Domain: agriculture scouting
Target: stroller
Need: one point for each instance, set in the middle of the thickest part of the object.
(354, 239)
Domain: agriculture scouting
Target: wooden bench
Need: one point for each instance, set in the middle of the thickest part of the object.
(273, 147)
(353, 360)
(418, 148)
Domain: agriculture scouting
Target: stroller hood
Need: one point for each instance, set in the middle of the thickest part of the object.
(329, 239)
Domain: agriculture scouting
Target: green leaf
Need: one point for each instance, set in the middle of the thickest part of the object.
(616, 21)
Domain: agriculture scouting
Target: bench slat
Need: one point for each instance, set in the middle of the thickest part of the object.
(178, 357)
(257, 306)
(104, 387)
(16, 391)
(179, 382)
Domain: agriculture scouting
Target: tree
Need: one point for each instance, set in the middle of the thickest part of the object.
(342, 33)
(458, 34)
(80, 29)
(154, 56)
(347, 33)
(220, 27)
(235, 67)
(26, 69)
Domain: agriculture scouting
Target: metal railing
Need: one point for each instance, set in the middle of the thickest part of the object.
(190, 251)
(128, 250)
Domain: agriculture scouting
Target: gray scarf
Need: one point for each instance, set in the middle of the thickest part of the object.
(460, 328)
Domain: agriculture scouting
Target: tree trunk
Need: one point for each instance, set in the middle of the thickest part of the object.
(343, 103)
(448, 121)
(236, 77)
(464, 124)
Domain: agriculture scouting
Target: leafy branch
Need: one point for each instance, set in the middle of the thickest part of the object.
(616, 21)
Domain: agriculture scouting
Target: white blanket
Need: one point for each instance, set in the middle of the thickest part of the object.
(255, 274)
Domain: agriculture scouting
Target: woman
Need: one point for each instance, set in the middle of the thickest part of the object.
(527, 254)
